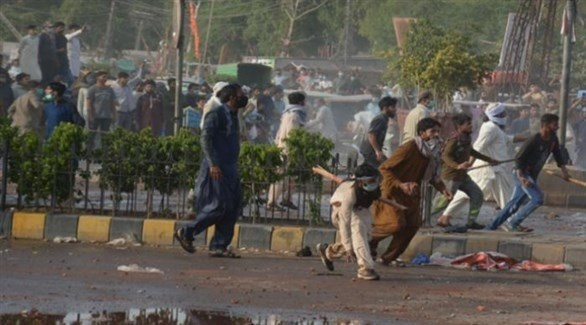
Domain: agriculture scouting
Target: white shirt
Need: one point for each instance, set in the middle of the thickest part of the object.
(74, 51)
(28, 54)
(493, 142)
(324, 123)
(124, 97)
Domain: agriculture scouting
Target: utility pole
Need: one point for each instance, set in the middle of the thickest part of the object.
(205, 46)
(179, 64)
(567, 65)
(108, 45)
(138, 35)
(347, 33)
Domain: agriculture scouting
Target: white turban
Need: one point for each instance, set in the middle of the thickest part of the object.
(218, 86)
(492, 112)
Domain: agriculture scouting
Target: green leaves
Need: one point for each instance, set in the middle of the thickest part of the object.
(440, 60)
(260, 165)
(305, 150)
(59, 161)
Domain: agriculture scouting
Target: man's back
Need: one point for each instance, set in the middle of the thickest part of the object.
(26, 112)
(290, 120)
(410, 127)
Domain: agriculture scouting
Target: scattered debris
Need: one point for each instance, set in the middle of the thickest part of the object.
(129, 240)
(65, 240)
(139, 269)
(552, 216)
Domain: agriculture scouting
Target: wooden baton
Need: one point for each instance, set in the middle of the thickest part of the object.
(571, 180)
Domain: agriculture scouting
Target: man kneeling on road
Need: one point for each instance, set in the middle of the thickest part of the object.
(351, 216)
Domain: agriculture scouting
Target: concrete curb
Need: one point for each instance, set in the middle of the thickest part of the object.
(539, 248)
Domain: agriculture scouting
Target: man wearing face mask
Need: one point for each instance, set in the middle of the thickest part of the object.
(425, 104)
(218, 192)
(351, 217)
(57, 109)
(411, 165)
(494, 181)
(371, 147)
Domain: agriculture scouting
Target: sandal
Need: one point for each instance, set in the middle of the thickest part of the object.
(224, 254)
(443, 225)
(524, 229)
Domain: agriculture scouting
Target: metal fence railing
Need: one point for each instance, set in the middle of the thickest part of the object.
(117, 182)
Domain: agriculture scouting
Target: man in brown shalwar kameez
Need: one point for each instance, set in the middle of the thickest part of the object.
(412, 164)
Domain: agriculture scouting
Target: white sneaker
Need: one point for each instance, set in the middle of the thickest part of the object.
(368, 275)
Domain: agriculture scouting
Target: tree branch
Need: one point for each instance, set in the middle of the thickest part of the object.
(312, 9)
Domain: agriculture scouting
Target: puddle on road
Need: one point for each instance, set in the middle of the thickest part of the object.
(165, 316)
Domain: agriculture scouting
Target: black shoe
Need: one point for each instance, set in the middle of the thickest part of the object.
(321, 249)
(275, 207)
(185, 243)
(289, 205)
(474, 225)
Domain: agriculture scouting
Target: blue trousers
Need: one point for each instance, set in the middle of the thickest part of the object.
(523, 202)
(217, 203)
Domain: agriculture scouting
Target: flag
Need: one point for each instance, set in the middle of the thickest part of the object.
(194, 29)
(566, 25)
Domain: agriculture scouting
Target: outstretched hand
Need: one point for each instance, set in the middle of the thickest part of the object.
(409, 188)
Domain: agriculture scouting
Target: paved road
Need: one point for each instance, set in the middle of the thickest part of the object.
(265, 287)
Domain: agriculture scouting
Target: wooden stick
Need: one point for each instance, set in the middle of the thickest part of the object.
(319, 170)
(323, 172)
(488, 165)
(571, 180)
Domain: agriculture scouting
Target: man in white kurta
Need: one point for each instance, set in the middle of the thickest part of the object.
(74, 49)
(351, 217)
(28, 54)
(324, 121)
(494, 181)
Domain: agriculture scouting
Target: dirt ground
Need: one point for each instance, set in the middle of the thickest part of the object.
(63, 278)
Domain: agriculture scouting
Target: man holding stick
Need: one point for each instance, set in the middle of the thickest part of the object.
(412, 164)
(351, 216)
(531, 158)
(494, 181)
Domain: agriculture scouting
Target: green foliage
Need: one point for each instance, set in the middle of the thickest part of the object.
(305, 150)
(168, 163)
(441, 60)
(259, 166)
(119, 166)
(24, 165)
(60, 161)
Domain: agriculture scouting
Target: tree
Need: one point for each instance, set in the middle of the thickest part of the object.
(296, 10)
(440, 60)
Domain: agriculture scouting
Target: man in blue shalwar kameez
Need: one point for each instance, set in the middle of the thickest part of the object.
(218, 191)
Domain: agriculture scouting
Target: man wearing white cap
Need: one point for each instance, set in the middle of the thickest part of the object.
(214, 101)
(494, 181)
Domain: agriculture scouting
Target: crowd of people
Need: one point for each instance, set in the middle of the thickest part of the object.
(47, 85)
